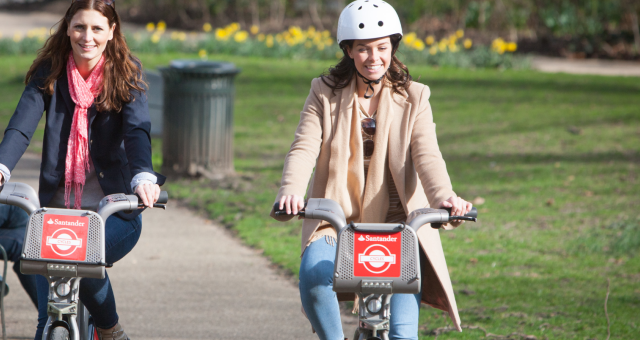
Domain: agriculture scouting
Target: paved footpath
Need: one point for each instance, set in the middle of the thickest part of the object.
(187, 278)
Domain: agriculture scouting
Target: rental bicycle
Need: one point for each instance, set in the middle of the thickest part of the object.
(376, 260)
(66, 245)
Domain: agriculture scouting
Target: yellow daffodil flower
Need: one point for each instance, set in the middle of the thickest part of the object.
(254, 29)
(207, 27)
(511, 47)
(459, 33)
(151, 27)
(433, 50)
(442, 45)
(261, 37)
(241, 36)
(467, 43)
(202, 54)
(410, 38)
(430, 40)
(162, 26)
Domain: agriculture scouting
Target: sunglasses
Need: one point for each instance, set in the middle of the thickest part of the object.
(369, 128)
(106, 2)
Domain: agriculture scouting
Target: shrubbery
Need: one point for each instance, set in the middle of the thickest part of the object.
(295, 43)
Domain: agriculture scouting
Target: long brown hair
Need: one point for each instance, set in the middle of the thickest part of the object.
(340, 75)
(122, 70)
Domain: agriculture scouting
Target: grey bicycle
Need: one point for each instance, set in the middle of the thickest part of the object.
(376, 260)
(66, 245)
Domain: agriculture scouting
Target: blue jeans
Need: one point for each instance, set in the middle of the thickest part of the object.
(96, 294)
(320, 302)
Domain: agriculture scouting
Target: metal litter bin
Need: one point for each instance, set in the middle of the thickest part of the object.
(197, 136)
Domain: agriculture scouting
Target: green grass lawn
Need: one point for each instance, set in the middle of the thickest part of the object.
(556, 159)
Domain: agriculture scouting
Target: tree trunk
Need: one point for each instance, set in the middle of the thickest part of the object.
(255, 13)
(315, 18)
(636, 30)
(240, 14)
(206, 12)
(277, 14)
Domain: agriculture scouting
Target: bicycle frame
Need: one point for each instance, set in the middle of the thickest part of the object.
(65, 245)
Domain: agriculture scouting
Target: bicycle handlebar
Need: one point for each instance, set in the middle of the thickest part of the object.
(330, 211)
(23, 196)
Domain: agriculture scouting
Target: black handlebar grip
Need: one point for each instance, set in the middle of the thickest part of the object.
(163, 198)
(276, 209)
(283, 212)
(473, 213)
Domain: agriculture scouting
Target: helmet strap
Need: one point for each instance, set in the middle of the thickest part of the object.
(369, 82)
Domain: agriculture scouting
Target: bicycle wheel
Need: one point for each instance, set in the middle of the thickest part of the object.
(356, 335)
(93, 331)
(59, 333)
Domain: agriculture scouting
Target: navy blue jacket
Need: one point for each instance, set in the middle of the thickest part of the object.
(119, 142)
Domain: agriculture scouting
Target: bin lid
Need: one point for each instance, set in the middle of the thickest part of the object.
(204, 67)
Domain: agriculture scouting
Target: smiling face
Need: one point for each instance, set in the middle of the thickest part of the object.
(89, 32)
(372, 57)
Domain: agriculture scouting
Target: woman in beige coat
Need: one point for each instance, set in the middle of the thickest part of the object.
(368, 131)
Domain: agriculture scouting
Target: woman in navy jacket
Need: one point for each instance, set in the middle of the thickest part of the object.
(88, 57)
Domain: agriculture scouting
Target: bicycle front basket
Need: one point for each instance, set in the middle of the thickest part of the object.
(64, 242)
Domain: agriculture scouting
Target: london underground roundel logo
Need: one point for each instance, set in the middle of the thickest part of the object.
(64, 242)
(377, 258)
(64, 237)
(377, 254)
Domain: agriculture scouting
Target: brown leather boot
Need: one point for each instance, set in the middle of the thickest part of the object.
(115, 333)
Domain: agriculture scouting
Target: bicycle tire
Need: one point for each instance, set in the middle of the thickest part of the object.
(59, 333)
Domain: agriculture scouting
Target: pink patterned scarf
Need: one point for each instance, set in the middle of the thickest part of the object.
(83, 92)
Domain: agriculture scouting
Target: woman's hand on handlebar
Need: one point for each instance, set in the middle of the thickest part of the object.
(292, 204)
(148, 193)
(459, 207)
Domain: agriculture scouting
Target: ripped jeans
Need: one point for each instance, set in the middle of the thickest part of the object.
(320, 302)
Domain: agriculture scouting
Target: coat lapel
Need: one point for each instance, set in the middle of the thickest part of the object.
(399, 138)
(63, 87)
(346, 170)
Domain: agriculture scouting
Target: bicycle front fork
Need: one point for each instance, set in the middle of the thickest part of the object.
(63, 306)
(373, 316)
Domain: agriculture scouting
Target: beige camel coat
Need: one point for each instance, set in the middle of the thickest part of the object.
(328, 139)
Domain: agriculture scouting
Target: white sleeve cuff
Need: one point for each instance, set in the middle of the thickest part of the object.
(6, 174)
(141, 178)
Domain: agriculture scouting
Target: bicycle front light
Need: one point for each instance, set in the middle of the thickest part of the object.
(374, 305)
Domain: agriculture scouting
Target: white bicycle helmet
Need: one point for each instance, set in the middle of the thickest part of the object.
(368, 19)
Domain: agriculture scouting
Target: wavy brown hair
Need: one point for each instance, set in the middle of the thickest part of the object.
(122, 70)
(339, 76)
